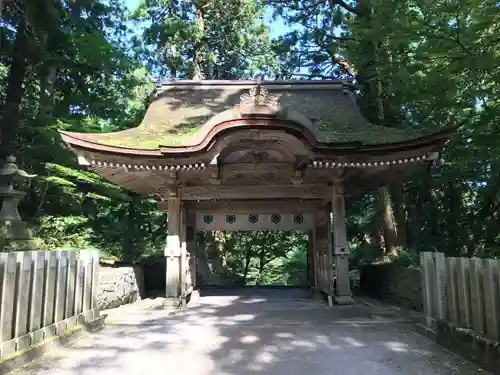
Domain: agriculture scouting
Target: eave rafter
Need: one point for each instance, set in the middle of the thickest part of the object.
(256, 140)
(368, 164)
(153, 167)
(215, 168)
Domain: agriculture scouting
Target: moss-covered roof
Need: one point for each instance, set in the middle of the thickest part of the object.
(179, 109)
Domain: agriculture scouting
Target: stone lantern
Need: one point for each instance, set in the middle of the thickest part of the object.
(14, 233)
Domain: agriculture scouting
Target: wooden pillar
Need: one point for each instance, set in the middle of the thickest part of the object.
(190, 251)
(319, 259)
(330, 258)
(314, 250)
(340, 250)
(173, 252)
(184, 258)
(310, 260)
(322, 245)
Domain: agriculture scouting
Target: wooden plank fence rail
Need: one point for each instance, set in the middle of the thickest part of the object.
(44, 293)
(462, 291)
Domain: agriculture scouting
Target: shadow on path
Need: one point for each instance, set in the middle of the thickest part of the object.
(259, 332)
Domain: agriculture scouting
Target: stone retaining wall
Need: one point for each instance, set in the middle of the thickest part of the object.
(394, 284)
(119, 285)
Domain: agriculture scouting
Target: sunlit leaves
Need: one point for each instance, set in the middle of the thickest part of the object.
(228, 39)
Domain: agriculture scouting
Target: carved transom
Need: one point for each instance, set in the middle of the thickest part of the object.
(263, 174)
(254, 157)
(256, 152)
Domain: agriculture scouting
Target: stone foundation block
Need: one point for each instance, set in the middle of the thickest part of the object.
(7, 348)
(23, 342)
(37, 336)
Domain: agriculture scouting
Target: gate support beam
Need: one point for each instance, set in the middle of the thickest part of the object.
(342, 294)
(174, 253)
(322, 245)
(191, 253)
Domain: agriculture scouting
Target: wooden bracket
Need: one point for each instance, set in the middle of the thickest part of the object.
(298, 177)
(300, 166)
(214, 171)
(339, 188)
(173, 191)
(339, 175)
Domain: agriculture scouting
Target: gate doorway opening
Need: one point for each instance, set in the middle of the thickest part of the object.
(252, 258)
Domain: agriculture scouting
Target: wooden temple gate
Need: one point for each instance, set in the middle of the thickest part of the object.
(256, 155)
(311, 216)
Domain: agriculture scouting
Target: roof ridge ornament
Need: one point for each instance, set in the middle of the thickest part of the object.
(258, 96)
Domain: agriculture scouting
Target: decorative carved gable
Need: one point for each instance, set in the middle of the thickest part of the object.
(255, 157)
(258, 96)
(256, 152)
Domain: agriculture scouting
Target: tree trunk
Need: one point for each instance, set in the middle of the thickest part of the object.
(388, 224)
(204, 274)
(417, 217)
(197, 53)
(376, 233)
(129, 240)
(262, 263)
(47, 81)
(248, 258)
(9, 125)
(218, 261)
(453, 200)
(397, 196)
(173, 63)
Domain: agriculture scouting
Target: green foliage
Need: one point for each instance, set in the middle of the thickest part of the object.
(81, 77)
(426, 64)
(255, 258)
(217, 39)
(64, 232)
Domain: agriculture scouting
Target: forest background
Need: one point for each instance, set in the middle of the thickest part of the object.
(90, 65)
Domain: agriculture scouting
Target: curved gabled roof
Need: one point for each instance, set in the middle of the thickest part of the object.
(185, 115)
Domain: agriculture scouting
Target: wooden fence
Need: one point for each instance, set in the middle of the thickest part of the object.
(462, 291)
(45, 293)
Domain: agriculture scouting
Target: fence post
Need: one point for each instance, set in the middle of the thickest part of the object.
(464, 292)
(79, 285)
(8, 264)
(35, 318)
(69, 313)
(476, 294)
(62, 280)
(452, 306)
(440, 283)
(23, 302)
(87, 284)
(492, 297)
(95, 283)
(50, 292)
(427, 270)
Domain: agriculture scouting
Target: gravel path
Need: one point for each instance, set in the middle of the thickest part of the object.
(270, 333)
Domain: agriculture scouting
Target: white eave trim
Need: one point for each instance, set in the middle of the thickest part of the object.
(130, 166)
(365, 164)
